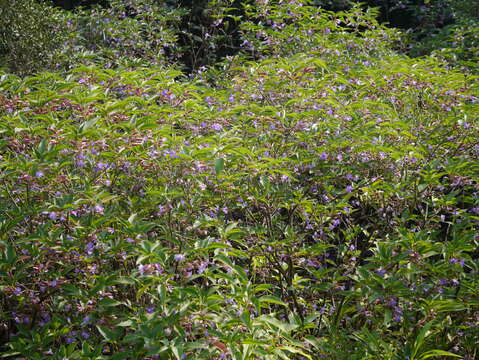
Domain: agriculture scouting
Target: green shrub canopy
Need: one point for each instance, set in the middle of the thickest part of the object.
(315, 196)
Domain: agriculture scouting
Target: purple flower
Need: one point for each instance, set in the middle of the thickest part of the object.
(86, 320)
(99, 209)
(323, 156)
(39, 174)
(17, 291)
(52, 215)
(334, 224)
(217, 127)
(313, 263)
(162, 209)
(89, 248)
(170, 153)
(381, 272)
(179, 257)
(203, 266)
(101, 166)
(397, 314)
(457, 261)
(349, 189)
(392, 302)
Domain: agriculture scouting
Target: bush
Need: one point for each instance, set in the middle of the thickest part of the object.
(319, 203)
(457, 45)
(126, 33)
(31, 36)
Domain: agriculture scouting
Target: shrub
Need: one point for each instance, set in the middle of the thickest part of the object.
(305, 205)
(126, 33)
(31, 36)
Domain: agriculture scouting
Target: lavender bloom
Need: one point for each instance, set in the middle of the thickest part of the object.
(381, 272)
(17, 291)
(203, 266)
(162, 209)
(98, 209)
(179, 257)
(217, 127)
(101, 166)
(89, 248)
(334, 224)
(457, 261)
(323, 156)
(86, 320)
(392, 302)
(398, 313)
(170, 153)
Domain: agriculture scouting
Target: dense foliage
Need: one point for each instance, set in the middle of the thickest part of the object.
(31, 35)
(35, 36)
(314, 197)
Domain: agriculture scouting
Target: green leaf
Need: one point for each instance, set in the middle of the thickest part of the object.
(272, 300)
(132, 219)
(281, 325)
(107, 302)
(219, 165)
(434, 353)
(109, 335)
(420, 339)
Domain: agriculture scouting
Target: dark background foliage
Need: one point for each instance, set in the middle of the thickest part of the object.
(204, 32)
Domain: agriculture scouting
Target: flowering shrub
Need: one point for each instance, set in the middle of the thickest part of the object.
(126, 33)
(314, 204)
